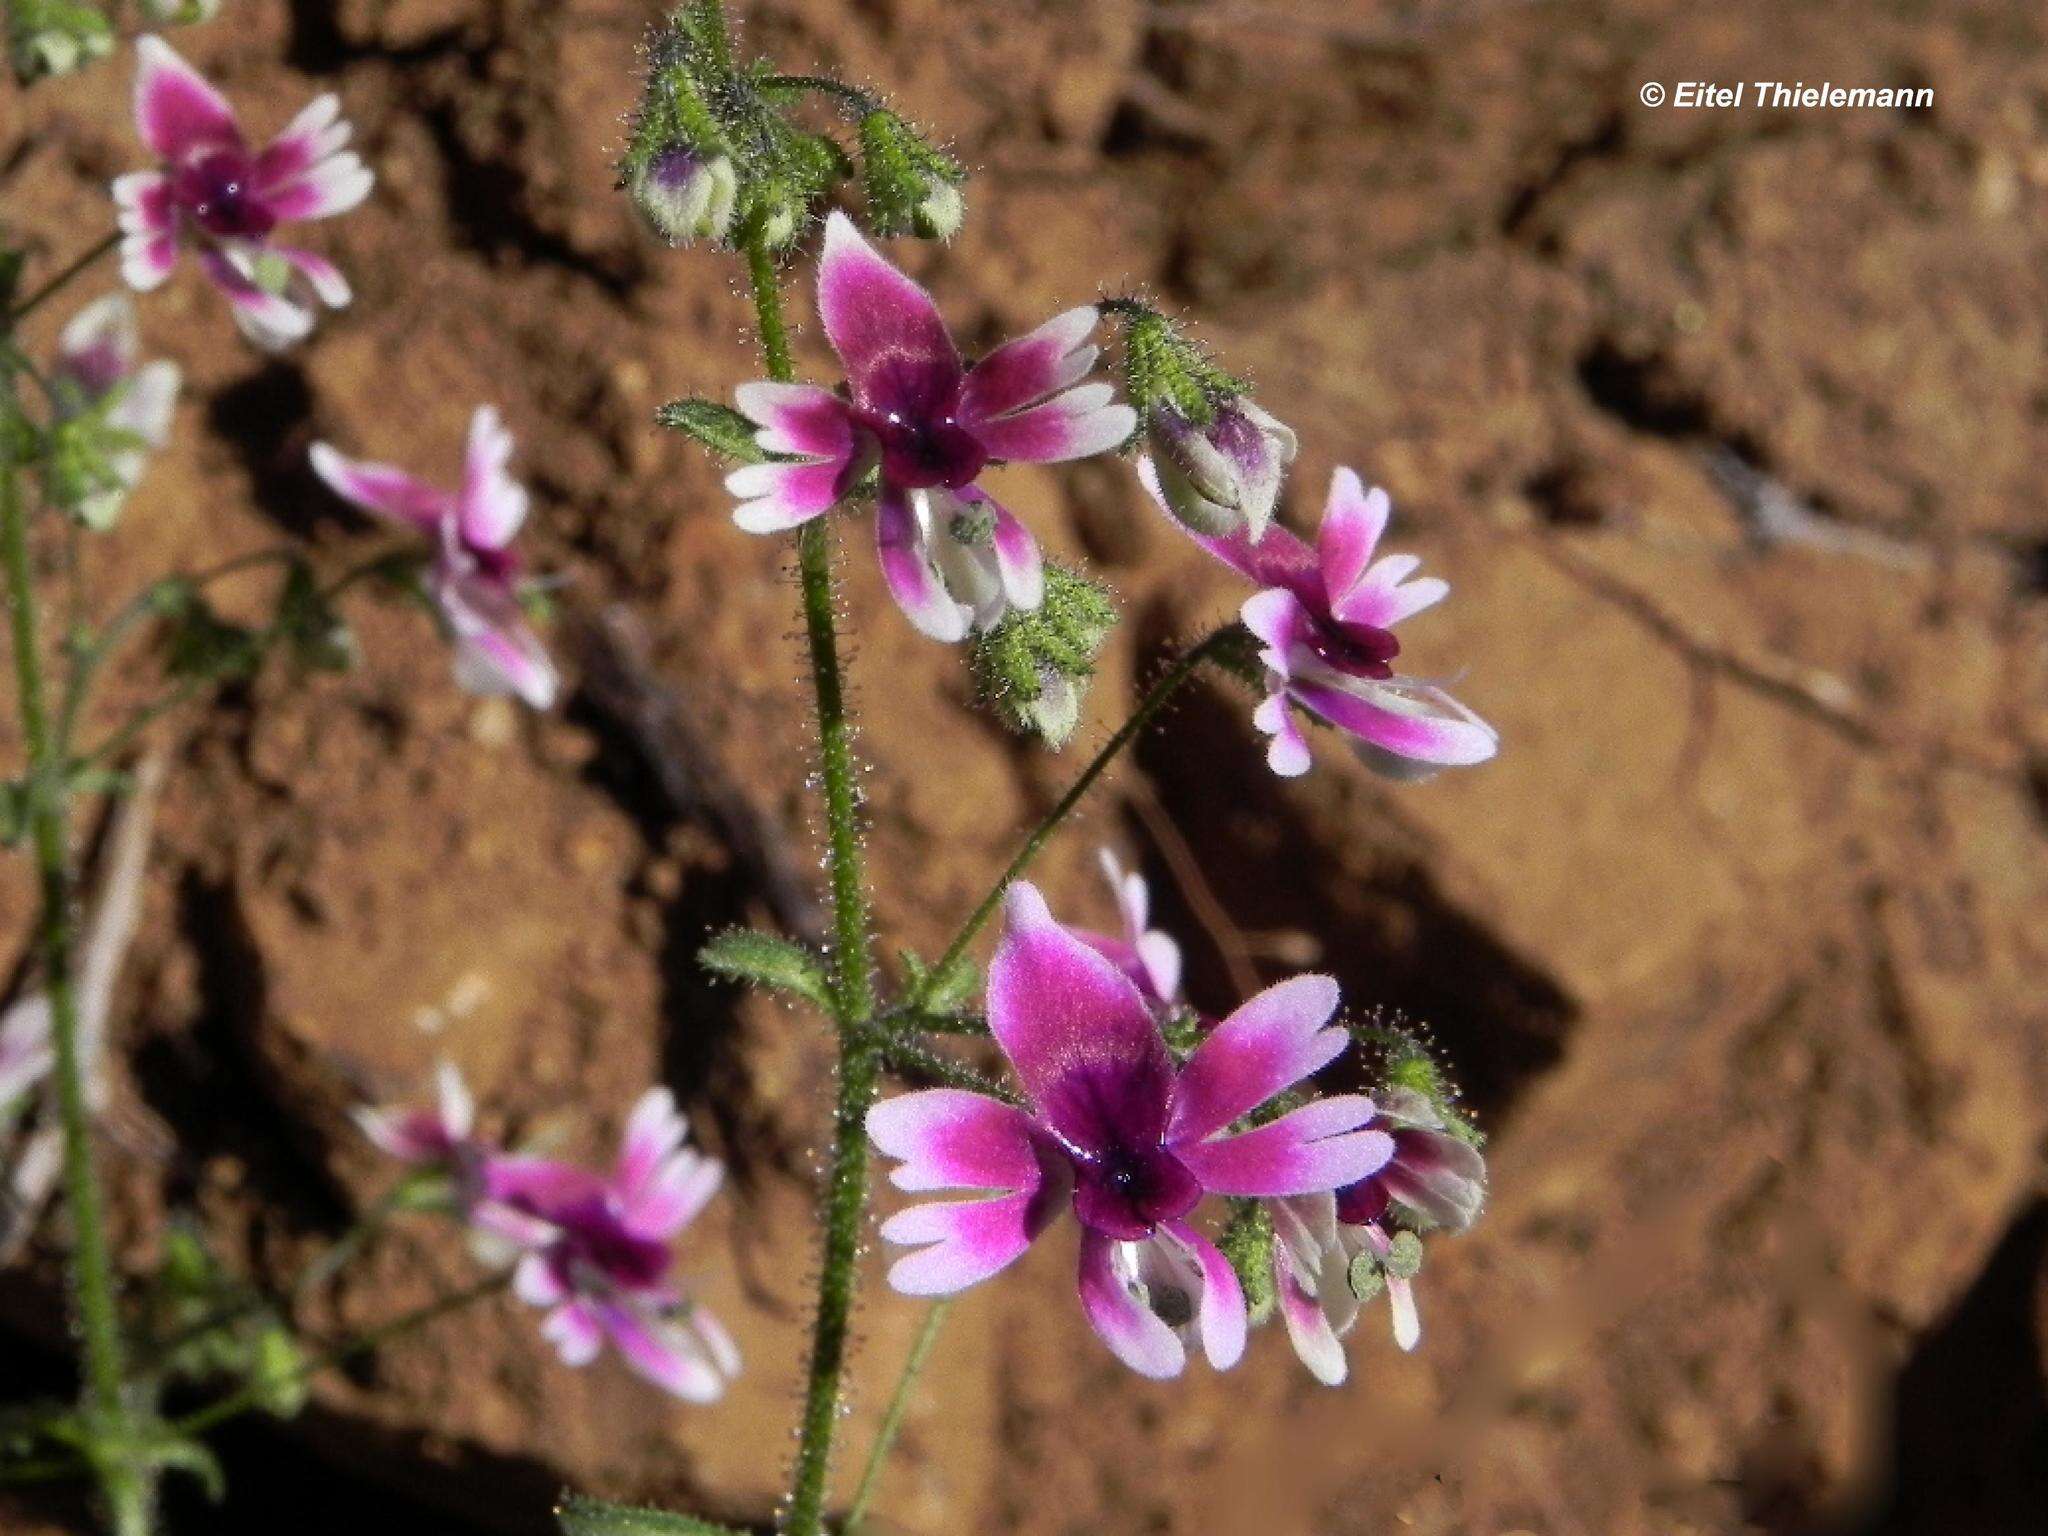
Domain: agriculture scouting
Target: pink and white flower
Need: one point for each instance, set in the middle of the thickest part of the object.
(477, 578)
(1147, 955)
(215, 194)
(1326, 618)
(98, 370)
(605, 1272)
(1114, 1128)
(955, 559)
(1318, 1240)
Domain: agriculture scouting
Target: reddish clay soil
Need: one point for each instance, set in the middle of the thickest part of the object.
(1738, 948)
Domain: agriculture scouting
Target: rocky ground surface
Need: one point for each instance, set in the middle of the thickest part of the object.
(1739, 947)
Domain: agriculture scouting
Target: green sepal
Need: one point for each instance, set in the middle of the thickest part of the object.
(581, 1516)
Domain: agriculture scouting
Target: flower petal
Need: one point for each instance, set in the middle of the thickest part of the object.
(270, 320)
(654, 1131)
(1220, 1314)
(1407, 720)
(321, 275)
(778, 497)
(802, 419)
(1269, 1044)
(1033, 366)
(146, 260)
(575, 1332)
(1287, 754)
(1134, 1333)
(659, 1351)
(963, 1242)
(1353, 520)
(1320, 1146)
(383, 490)
(1077, 1031)
(885, 328)
(1018, 559)
(1308, 1326)
(176, 111)
(948, 1138)
(1075, 425)
(493, 505)
(499, 654)
(335, 185)
(317, 132)
(913, 578)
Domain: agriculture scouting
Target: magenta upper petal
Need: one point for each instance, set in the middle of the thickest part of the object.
(1076, 1030)
(1269, 1044)
(886, 329)
(492, 504)
(654, 1131)
(1353, 521)
(1075, 425)
(176, 111)
(1024, 371)
(1134, 1333)
(1317, 1147)
(777, 497)
(946, 1138)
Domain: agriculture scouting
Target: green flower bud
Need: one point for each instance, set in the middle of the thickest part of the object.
(180, 13)
(912, 188)
(685, 195)
(1033, 668)
(55, 37)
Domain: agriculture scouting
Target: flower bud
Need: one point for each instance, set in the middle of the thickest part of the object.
(685, 195)
(912, 187)
(1225, 475)
(55, 37)
(1033, 667)
(180, 13)
(1220, 457)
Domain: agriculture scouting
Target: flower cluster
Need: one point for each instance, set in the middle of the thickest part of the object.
(1130, 1135)
(919, 428)
(596, 1250)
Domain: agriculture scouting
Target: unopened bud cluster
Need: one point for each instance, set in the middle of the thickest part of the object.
(1033, 668)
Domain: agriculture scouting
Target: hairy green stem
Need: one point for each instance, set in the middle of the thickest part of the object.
(892, 1417)
(853, 984)
(62, 280)
(125, 1485)
(1184, 667)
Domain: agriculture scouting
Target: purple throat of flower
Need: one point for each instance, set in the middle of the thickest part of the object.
(1125, 1192)
(217, 192)
(1364, 650)
(595, 1248)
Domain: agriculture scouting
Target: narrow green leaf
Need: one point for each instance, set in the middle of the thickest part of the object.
(765, 960)
(580, 1516)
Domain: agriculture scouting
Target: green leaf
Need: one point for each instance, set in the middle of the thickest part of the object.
(765, 960)
(206, 648)
(580, 1516)
(718, 427)
(309, 625)
(13, 811)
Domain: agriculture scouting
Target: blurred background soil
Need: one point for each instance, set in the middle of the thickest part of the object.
(1738, 949)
